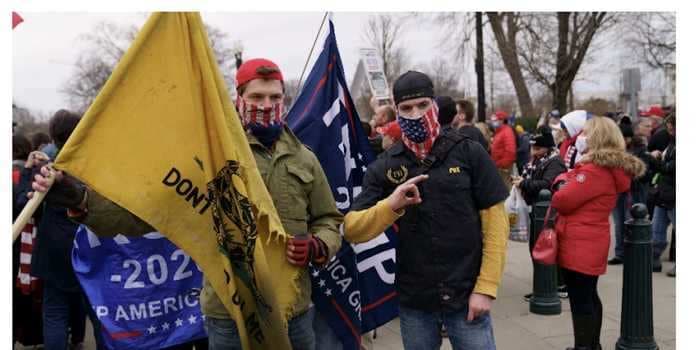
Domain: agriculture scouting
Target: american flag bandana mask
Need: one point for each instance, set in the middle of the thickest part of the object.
(256, 114)
(425, 128)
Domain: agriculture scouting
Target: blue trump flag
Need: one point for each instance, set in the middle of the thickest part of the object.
(355, 292)
(144, 289)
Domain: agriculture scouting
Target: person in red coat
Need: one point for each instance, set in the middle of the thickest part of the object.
(584, 199)
(503, 147)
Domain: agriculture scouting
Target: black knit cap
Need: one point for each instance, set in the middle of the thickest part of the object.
(412, 85)
(627, 130)
(543, 137)
(447, 109)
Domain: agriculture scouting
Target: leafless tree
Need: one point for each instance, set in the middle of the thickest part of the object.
(506, 26)
(383, 32)
(458, 37)
(554, 47)
(652, 37)
(499, 93)
(291, 89)
(546, 48)
(28, 122)
(445, 77)
(457, 32)
(107, 43)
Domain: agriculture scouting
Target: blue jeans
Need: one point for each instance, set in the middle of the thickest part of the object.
(620, 214)
(659, 227)
(59, 308)
(325, 336)
(420, 330)
(223, 333)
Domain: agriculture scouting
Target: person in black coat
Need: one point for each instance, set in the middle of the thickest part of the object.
(659, 140)
(64, 302)
(663, 194)
(636, 145)
(544, 166)
(463, 122)
(26, 302)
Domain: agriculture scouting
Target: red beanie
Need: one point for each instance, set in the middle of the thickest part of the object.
(249, 71)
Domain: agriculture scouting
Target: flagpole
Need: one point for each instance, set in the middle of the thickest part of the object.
(309, 57)
(29, 209)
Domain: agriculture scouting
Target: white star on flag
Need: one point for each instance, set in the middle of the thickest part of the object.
(328, 292)
(192, 319)
(178, 322)
(322, 283)
(165, 325)
(151, 329)
(315, 273)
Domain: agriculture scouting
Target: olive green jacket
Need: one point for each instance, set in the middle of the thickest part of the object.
(299, 190)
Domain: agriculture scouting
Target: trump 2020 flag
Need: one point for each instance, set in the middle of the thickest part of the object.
(355, 292)
(143, 289)
(163, 141)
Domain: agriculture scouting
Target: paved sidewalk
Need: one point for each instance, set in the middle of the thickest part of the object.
(517, 329)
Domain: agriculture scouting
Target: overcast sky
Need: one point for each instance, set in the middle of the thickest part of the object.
(47, 44)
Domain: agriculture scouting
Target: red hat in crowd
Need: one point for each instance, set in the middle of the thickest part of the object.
(250, 70)
(654, 110)
(501, 115)
(390, 129)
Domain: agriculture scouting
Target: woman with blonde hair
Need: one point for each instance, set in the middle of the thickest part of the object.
(584, 199)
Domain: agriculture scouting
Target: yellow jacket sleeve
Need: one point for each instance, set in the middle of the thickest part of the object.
(495, 226)
(364, 225)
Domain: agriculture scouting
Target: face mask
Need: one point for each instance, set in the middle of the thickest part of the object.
(252, 114)
(414, 129)
(419, 134)
(581, 144)
(266, 135)
(495, 124)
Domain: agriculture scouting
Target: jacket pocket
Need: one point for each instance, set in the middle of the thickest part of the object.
(302, 174)
(296, 187)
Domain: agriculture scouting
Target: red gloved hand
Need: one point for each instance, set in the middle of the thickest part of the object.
(306, 248)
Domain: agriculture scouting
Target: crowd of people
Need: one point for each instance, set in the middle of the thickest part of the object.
(441, 176)
(597, 167)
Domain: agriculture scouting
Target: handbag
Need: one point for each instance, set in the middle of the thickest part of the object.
(546, 247)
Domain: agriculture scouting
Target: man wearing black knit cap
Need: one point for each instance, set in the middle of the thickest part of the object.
(451, 249)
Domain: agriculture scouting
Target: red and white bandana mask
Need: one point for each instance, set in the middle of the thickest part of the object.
(431, 127)
(256, 114)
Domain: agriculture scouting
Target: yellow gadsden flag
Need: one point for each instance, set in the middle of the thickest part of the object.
(163, 141)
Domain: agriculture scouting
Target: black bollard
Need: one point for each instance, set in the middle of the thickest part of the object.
(545, 300)
(637, 325)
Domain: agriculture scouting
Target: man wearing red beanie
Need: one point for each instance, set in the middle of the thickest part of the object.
(295, 180)
(299, 189)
